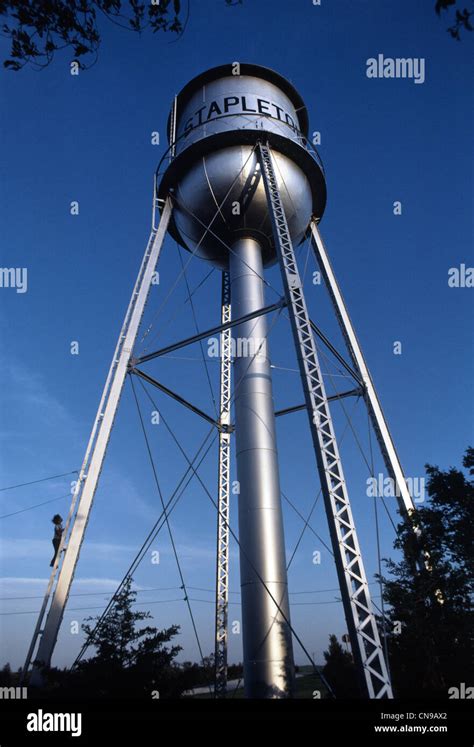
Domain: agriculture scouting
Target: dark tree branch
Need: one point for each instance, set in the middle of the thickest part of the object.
(463, 18)
(39, 29)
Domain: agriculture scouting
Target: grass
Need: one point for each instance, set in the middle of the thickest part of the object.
(306, 684)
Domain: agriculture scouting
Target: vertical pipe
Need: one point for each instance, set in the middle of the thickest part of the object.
(267, 645)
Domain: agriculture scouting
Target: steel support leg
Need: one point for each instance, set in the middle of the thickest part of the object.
(390, 456)
(97, 446)
(222, 569)
(360, 618)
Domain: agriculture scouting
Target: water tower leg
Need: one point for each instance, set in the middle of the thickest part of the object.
(382, 432)
(267, 645)
(97, 447)
(223, 491)
(387, 447)
(360, 616)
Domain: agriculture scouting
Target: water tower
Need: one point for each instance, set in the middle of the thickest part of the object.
(241, 187)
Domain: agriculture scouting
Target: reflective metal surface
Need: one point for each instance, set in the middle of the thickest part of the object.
(229, 182)
(268, 654)
(216, 122)
(236, 102)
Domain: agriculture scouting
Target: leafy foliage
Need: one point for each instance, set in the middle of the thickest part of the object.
(131, 660)
(431, 610)
(38, 29)
(6, 675)
(462, 17)
(339, 670)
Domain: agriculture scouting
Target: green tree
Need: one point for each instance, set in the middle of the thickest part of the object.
(131, 660)
(430, 613)
(340, 671)
(37, 30)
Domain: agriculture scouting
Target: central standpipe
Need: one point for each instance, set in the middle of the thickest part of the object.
(267, 645)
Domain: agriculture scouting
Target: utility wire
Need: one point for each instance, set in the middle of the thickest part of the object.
(37, 505)
(168, 588)
(77, 609)
(94, 593)
(43, 479)
(178, 599)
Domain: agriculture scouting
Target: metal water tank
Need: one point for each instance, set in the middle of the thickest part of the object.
(214, 172)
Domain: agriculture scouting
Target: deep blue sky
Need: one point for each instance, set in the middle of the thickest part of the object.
(87, 138)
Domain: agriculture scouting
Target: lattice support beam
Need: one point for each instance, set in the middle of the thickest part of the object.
(222, 565)
(360, 617)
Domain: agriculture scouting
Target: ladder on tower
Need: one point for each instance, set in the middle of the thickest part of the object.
(54, 572)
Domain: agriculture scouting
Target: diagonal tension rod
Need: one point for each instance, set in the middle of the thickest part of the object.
(173, 395)
(208, 333)
(331, 398)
